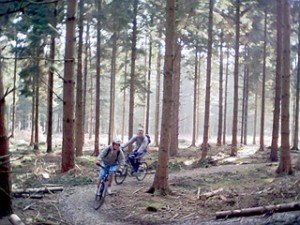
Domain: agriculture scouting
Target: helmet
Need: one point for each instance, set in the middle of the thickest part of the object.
(117, 141)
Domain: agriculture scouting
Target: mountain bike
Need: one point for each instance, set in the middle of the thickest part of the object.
(128, 171)
(101, 190)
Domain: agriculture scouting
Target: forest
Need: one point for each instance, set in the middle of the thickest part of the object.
(215, 84)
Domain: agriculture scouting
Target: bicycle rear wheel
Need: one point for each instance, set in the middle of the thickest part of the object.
(120, 177)
(142, 171)
(100, 195)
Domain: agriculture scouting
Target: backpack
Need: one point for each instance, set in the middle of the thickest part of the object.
(108, 151)
(149, 138)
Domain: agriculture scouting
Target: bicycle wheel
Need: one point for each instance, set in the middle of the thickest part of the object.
(100, 195)
(142, 171)
(120, 177)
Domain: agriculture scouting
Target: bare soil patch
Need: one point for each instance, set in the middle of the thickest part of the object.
(245, 181)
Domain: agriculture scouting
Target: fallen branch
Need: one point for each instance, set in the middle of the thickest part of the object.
(137, 190)
(46, 190)
(15, 220)
(207, 195)
(258, 210)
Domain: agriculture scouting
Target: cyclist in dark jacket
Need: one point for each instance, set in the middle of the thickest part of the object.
(140, 149)
(113, 158)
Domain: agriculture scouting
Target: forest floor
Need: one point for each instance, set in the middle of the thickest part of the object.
(248, 180)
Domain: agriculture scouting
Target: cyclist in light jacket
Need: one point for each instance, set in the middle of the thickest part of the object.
(111, 158)
(140, 149)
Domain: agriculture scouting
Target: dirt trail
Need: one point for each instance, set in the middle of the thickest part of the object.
(77, 202)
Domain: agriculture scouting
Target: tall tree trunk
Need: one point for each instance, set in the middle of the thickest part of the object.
(176, 102)
(195, 106)
(208, 81)
(160, 182)
(236, 81)
(37, 102)
(149, 80)
(132, 68)
(14, 91)
(91, 88)
(198, 100)
(68, 160)
(5, 181)
(243, 105)
(262, 119)
(255, 118)
(285, 166)
(296, 131)
(50, 85)
(32, 111)
(220, 120)
(246, 104)
(79, 131)
(112, 89)
(225, 97)
(98, 4)
(85, 77)
(124, 94)
(276, 113)
(157, 95)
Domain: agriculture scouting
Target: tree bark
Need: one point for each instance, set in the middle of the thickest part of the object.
(255, 118)
(98, 4)
(132, 68)
(32, 112)
(243, 105)
(208, 81)
(276, 113)
(157, 95)
(220, 120)
(85, 78)
(5, 181)
(14, 91)
(262, 119)
(285, 166)
(296, 131)
(195, 98)
(37, 100)
(246, 104)
(79, 129)
(50, 85)
(112, 89)
(124, 95)
(149, 80)
(68, 160)
(225, 98)
(176, 102)
(236, 81)
(160, 182)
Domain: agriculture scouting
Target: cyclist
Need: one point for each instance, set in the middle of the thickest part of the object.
(111, 157)
(141, 146)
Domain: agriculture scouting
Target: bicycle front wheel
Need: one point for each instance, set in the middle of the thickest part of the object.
(120, 177)
(142, 171)
(100, 195)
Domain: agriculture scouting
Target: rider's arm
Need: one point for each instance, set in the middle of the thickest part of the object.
(130, 142)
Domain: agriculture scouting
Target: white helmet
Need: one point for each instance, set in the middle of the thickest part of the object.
(117, 141)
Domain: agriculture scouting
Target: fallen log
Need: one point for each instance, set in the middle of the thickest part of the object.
(258, 210)
(15, 220)
(29, 191)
